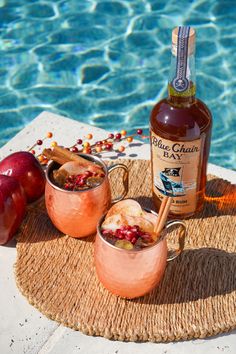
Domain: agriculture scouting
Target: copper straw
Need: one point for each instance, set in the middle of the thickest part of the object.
(163, 213)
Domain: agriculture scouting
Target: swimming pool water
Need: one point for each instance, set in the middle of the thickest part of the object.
(106, 62)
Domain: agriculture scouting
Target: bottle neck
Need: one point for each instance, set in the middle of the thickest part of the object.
(182, 81)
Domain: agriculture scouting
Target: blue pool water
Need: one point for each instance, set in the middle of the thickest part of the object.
(106, 62)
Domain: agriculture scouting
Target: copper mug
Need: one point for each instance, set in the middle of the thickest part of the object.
(76, 213)
(134, 273)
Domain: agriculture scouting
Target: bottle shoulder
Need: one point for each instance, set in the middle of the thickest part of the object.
(181, 122)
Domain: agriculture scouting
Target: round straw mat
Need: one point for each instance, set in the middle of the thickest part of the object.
(196, 298)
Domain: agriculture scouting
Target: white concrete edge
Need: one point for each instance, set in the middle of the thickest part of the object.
(222, 172)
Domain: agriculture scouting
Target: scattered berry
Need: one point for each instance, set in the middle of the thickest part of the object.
(32, 152)
(111, 136)
(121, 148)
(87, 150)
(86, 144)
(41, 158)
(108, 146)
(123, 132)
(39, 142)
(79, 141)
(98, 148)
(118, 136)
(53, 144)
(89, 136)
(49, 135)
(129, 139)
(139, 131)
(74, 149)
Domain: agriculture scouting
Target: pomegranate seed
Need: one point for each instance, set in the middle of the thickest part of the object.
(133, 241)
(111, 136)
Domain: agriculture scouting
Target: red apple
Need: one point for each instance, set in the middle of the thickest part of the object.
(12, 207)
(27, 170)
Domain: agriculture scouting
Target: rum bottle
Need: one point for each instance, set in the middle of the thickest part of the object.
(180, 133)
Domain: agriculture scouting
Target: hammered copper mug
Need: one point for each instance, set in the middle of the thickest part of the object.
(76, 213)
(134, 273)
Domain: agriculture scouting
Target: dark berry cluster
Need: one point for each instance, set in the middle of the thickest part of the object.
(84, 180)
(128, 233)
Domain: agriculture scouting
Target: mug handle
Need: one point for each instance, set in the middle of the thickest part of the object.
(172, 254)
(125, 180)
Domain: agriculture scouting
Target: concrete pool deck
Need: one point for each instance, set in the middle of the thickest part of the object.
(23, 329)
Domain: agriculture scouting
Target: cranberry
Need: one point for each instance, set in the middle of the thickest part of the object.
(120, 236)
(133, 241)
(139, 131)
(129, 235)
(134, 229)
(128, 227)
(88, 174)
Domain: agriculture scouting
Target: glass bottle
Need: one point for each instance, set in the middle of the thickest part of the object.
(180, 133)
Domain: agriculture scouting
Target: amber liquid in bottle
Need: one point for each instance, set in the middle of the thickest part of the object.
(180, 128)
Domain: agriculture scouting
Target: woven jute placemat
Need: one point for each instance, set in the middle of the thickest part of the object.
(196, 298)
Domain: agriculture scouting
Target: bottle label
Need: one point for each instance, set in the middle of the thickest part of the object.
(180, 82)
(175, 171)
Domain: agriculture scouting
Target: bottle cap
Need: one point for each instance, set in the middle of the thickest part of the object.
(191, 40)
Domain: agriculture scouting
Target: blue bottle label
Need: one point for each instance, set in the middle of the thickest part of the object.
(180, 82)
